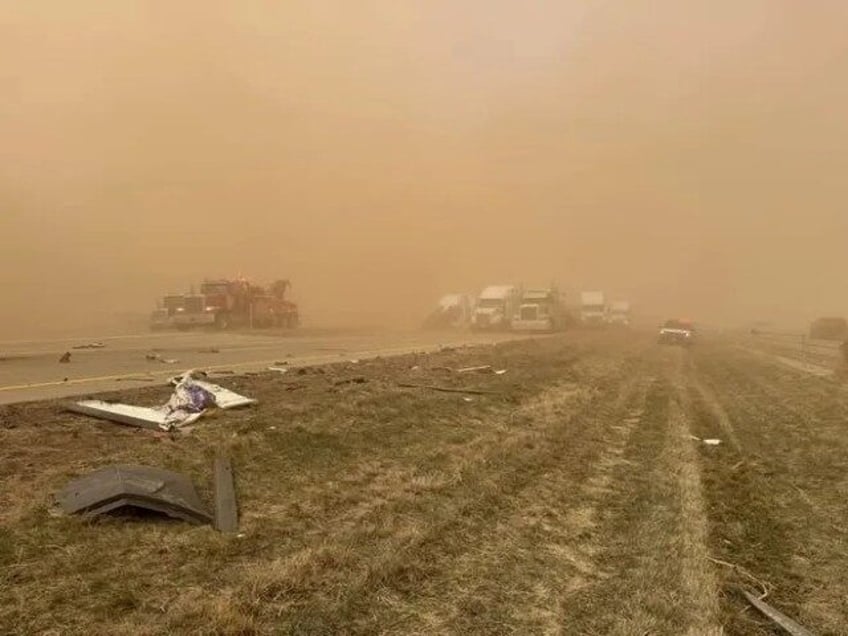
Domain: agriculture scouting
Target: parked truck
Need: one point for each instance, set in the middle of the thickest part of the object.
(496, 307)
(163, 316)
(452, 312)
(593, 308)
(225, 304)
(619, 313)
(540, 310)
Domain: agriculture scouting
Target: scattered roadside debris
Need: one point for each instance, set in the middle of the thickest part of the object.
(66, 358)
(356, 380)
(190, 400)
(226, 507)
(158, 418)
(485, 368)
(278, 369)
(467, 399)
(128, 486)
(708, 441)
(779, 619)
(155, 357)
(90, 345)
(223, 398)
(445, 389)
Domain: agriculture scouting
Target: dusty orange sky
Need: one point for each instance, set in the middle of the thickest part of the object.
(688, 155)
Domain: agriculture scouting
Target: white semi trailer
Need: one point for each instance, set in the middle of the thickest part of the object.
(495, 308)
(593, 308)
(619, 313)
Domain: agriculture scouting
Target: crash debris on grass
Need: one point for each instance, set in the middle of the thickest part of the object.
(445, 389)
(190, 400)
(125, 486)
(483, 368)
(155, 357)
(90, 345)
(223, 398)
(707, 441)
(779, 619)
(226, 507)
(356, 380)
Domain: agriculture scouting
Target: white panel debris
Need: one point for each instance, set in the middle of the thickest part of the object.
(190, 400)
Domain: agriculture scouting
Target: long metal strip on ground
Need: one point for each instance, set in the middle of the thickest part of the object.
(226, 508)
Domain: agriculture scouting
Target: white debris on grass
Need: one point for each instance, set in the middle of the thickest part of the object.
(190, 400)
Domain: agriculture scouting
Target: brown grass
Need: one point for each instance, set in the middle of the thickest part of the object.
(570, 501)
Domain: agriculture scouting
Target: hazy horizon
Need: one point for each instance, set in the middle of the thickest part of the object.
(687, 156)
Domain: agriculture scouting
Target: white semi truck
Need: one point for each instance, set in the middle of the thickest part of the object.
(619, 313)
(496, 307)
(593, 308)
(540, 310)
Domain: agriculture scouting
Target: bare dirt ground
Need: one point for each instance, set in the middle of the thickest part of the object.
(574, 499)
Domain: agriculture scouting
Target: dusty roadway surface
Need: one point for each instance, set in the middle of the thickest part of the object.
(573, 499)
(29, 370)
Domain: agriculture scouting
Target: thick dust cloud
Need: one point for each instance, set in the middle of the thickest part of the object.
(687, 155)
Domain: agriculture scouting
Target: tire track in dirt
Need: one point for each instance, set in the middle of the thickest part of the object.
(783, 382)
(773, 508)
(698, 577)
(654, 528)
(386, 568)
(708, 397)
(549, 533)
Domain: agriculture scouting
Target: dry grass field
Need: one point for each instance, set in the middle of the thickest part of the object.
(574, 498)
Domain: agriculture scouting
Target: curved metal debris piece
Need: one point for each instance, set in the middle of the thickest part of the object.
(144, 487)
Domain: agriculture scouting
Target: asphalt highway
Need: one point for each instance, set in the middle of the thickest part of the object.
(30, 369)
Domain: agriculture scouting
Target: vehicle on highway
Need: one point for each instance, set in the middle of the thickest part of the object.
(452, 312)
(540, 310)
(225, 304)
(163, 317)
(829, 328)
(677, 332)
(593, 309)
(619, 313)
(496, 306)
